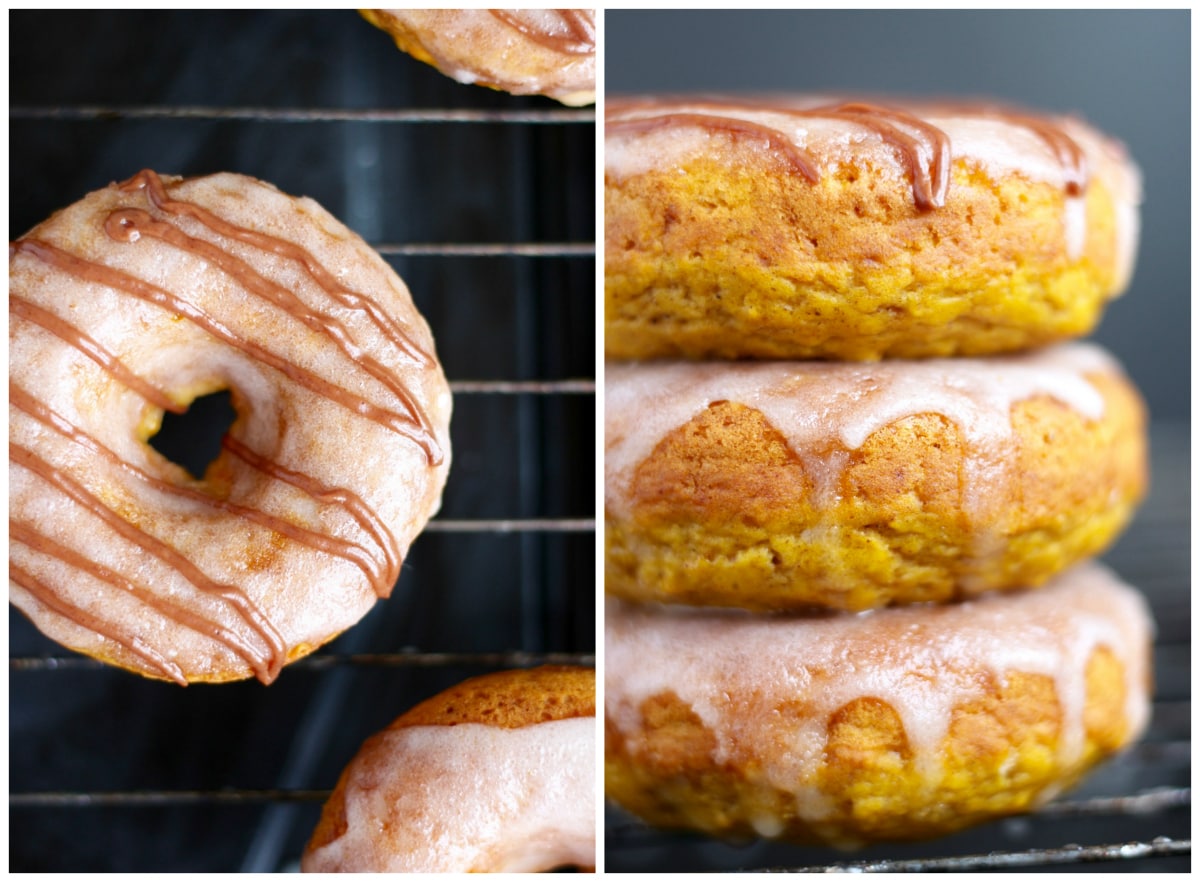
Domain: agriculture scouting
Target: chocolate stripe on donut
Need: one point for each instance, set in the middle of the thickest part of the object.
(926, 154)
(132, 643)
(801, 163)
(98, 273)
(71, 335)
(355, 554)
(157, 194)
(351, 503)
(580, 36)
(131, 224)
(266, 664)
(45, 545)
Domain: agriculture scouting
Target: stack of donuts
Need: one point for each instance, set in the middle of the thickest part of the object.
(857, 464)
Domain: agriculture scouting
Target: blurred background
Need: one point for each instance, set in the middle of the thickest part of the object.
(485, 205)
(1128, 73)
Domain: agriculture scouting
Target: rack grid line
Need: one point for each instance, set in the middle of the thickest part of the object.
(300, 115)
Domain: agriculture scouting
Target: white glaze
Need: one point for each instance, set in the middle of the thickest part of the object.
(997, 146)
(468, 798)
(736, 671)
(306, 595)
(474, 46)
(813, 403)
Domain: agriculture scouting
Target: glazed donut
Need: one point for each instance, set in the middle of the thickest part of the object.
(896, 724)
(138, 299)
(819, 227)
(788, 485)
(548, 52)
(495, 775)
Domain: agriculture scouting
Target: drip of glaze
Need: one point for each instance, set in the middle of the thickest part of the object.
(825, 409)
(740, 673)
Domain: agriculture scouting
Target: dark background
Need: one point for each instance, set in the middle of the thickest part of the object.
(1128, 73)
(79, 728)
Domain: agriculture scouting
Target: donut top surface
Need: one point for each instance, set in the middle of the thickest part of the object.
(149, 293)
(738, 671)
(522, 51)
(825, 409)
(911, 142)
(496, 774)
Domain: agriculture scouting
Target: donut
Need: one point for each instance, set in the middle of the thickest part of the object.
(826, 227)
(142, 297)
(851, 485)
(895, 724)
(494, 775)
(549, 52)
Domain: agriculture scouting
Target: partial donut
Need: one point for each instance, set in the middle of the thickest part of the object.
(896, 724)
(788, 485)
(548, 52)
(138, 299)
(821, 227)
(495, 775)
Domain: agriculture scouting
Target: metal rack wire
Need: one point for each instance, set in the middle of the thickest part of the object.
(484, 204)
(1132, 814)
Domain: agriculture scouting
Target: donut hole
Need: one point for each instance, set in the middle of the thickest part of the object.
(192, 439)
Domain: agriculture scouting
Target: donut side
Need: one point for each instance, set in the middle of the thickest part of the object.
(523, 52)
(717, 246)
(496, 712)
(727, 510)
(903, 724)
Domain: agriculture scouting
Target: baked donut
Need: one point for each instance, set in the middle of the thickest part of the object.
(548, 52)
(138, 299)
(821, 227)
(495, 775)
(788, 485)
(895, 724)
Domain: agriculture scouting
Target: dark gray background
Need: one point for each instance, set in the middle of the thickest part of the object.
(1128, 73)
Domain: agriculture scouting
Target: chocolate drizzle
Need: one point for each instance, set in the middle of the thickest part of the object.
(355, 554)
(924, 149)
(49, 599)
(577, 36)
(266, 653)
(267, 660)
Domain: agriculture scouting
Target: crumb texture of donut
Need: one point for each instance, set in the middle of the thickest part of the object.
(922, 482)
(494, 775)
(813, 228)
(549, 52)
(142, 297)
(915, 724)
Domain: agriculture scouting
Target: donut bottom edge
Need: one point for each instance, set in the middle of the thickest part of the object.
(1006, 750)
(999, 760)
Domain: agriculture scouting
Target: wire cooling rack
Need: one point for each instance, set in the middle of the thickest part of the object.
(484, 203)
(1133, 814)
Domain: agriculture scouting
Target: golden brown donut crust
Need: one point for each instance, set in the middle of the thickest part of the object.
(723, 512)
(729, 252)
